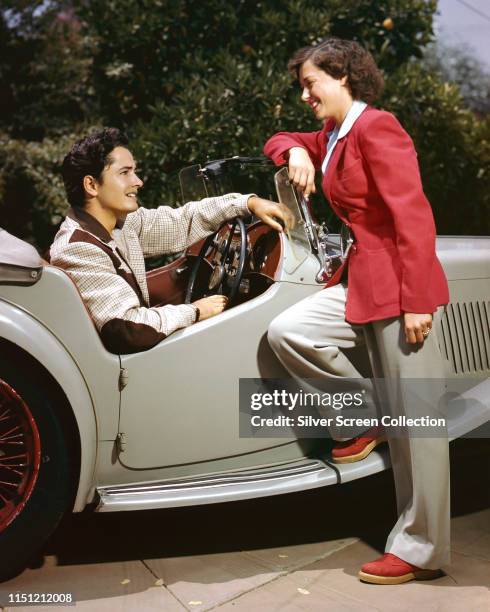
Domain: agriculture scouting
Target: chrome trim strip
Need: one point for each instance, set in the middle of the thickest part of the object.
(217, 488)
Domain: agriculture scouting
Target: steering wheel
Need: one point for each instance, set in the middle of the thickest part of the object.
(221, 281)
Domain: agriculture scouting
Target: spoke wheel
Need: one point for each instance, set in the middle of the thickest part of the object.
(20, 454)
(35, 464)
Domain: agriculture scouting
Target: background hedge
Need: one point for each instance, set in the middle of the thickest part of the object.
(191, 80)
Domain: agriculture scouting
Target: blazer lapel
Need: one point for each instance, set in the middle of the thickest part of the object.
(330, 174)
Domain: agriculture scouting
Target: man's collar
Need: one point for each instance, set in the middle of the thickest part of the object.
(354, 112)
(91, 224)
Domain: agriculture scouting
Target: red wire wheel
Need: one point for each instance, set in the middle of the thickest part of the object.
(20, 454)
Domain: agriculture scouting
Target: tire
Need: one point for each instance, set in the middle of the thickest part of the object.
(35, 484)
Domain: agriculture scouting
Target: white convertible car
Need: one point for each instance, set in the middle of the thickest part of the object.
(80, 426)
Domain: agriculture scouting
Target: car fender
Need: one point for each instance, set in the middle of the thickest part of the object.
(21, 329)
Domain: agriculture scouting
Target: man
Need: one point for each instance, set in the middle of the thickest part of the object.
(104, 238)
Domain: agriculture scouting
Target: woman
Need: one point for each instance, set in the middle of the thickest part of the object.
(395, 283)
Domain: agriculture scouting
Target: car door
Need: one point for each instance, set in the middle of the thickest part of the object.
(181, 405)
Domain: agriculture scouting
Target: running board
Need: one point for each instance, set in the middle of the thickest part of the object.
(377, 461)
(230, 486)
(264, 482)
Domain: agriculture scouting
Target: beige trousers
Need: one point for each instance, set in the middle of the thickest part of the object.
(312, 339)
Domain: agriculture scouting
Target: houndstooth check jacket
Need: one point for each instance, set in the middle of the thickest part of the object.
(109, 269)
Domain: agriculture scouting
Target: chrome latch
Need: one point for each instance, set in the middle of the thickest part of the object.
(121, 442)
(123, 378)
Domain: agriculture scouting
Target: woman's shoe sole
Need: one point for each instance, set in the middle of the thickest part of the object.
(418, 575)
(363, 454)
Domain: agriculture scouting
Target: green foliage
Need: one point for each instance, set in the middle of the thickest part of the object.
(31, 188)
(192, 80)
(44, 70)
(394, 31)
(149, 52)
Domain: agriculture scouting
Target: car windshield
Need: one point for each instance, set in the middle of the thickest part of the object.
(251, 176)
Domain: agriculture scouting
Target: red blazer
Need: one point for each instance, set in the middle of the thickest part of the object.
(373, 184)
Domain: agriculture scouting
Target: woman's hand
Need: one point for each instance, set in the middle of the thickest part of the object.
(417, 327)
(301, 170)
(210, 306)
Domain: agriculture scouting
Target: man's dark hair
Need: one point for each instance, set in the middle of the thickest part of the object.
(338, 58)
(89, 156)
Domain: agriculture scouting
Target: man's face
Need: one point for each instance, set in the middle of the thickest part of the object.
(116, 193)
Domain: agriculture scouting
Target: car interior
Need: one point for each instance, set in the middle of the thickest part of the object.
(240, 261)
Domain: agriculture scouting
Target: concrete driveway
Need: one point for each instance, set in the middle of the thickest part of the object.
(294, 552)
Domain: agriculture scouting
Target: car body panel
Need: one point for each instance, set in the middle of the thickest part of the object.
(465, 257)
(20, 263)
(21, 329)
(55, 304)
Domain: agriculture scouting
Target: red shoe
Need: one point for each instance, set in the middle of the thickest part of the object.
(390, 569)
(358, 448)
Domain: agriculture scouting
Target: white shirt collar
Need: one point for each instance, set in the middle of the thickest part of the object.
(354, 112)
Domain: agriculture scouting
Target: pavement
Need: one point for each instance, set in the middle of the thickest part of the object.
(292, 552)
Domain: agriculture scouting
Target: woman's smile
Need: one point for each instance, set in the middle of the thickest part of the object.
(325, 95)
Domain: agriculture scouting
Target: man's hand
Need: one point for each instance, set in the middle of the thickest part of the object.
(210, 306)
(417, 327)
(301, 170)
(267, 210)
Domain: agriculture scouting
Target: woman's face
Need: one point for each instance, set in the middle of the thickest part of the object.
(327, 96)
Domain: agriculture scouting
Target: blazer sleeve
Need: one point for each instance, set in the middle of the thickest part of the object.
(124, 325)
(170, 230)
(314, 142)
(392, 162)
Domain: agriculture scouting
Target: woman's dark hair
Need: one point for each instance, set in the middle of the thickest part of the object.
(89, 156)
(339, 58)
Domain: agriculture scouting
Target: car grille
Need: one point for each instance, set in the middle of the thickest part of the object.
(465, 338)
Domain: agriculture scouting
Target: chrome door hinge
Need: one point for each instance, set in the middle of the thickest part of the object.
(121, 442)
(123, 378)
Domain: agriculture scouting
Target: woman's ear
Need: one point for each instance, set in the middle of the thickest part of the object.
(343, 81)
(90, 185)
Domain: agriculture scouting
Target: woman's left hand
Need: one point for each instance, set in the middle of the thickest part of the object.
(417, 327)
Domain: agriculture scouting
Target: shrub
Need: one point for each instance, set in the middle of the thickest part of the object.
(193, 80)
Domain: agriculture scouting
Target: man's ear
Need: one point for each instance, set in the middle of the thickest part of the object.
(343, 80)
(90, 185)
